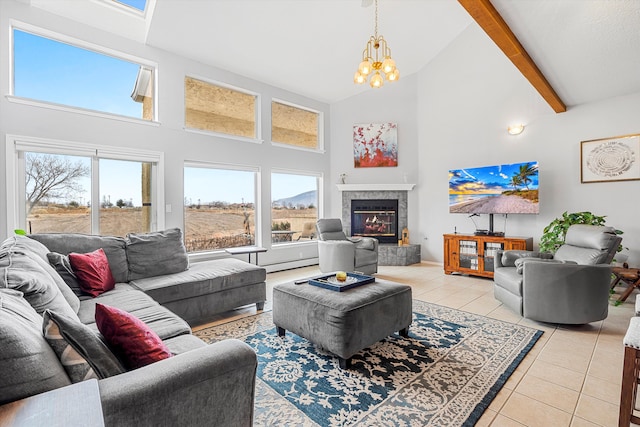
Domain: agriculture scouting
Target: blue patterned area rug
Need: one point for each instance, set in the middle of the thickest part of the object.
(445, 374)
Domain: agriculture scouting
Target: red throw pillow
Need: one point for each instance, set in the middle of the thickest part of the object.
(135, 344)
(93, 272)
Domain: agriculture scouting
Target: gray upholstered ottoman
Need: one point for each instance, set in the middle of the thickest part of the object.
(343, 322)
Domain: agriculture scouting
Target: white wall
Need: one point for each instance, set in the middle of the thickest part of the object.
(169, 137)
(393, 103)
(467, 97)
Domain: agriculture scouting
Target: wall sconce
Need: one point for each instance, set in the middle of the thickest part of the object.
(515, 129)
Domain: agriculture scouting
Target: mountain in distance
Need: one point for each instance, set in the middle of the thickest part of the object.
(305, 199)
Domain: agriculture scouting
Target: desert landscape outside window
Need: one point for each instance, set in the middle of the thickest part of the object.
(59, 198)
(294, 207)
(219, 216)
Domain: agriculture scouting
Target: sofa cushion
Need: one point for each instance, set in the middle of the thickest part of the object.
(27, 245)
(114, 248)
(80, 350)
(38, 253)
(156, 254)
(585, 256)
(591, 236)
(29, 365)
(62, 266)
(201, 278)
(130, 338)
(22, 273)
(93, 272)
(163, 322)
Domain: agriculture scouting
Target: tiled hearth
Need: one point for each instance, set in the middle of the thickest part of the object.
(388, 253)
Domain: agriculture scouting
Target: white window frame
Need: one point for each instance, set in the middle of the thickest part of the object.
(320, 148)
(61, 38)
(319, 209)
(257, 111)
(258, 198)
(15, 172)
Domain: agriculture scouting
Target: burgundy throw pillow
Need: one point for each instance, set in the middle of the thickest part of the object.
(93, 272)
(135, 344)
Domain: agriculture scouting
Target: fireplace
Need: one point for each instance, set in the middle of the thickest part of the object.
(375, 218)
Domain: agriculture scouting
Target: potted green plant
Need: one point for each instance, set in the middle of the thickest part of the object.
(554, 234)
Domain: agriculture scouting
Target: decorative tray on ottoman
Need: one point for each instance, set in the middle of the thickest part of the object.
(330, 282)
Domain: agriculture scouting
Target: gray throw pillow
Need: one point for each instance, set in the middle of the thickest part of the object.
(62, 265)
(155, 254)
(38, 253)
(80, 350)
(22, 273)
(29, 365)
(26, 245)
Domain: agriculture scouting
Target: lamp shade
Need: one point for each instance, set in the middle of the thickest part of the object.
(364, 68)
(377, 80)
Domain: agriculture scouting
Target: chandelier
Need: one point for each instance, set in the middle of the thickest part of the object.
(376, 61)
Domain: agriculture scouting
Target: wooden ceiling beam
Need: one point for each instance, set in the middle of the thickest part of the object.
(483, 12)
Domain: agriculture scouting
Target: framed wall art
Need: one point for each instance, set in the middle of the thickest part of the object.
(375, 145)
(610, 159)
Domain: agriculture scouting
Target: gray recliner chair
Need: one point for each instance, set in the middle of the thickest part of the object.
(569, 287)
(337, 252)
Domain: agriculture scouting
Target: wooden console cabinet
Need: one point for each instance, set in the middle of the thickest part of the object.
(473, 255)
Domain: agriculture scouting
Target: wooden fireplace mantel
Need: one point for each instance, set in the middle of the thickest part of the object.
(375, 187)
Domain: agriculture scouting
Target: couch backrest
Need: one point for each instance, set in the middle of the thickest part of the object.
(156, 253)
(330, 229)
(29, 365)
(589, 244)
(114, 248)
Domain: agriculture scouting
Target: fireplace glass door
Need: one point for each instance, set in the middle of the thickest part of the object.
(375, 218)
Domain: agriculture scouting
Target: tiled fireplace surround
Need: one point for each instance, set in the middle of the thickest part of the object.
(388, 253)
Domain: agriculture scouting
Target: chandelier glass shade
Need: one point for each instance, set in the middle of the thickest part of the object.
(377, 64)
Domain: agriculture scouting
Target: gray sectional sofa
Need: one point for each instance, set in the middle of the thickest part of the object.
(199, 385)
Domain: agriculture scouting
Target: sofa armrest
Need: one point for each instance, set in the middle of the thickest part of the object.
(565, 293)
(507, 258)
(367, 243)
(210, 385)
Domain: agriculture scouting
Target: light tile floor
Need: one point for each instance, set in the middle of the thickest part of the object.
(571, 377)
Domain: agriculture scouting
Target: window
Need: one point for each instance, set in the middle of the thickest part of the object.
(295, 126)
(58, 193)
(220, 109)
(294, 207)
(135, 4)
(61, 73)
(125, 197)
(77, 188)
(219, 207)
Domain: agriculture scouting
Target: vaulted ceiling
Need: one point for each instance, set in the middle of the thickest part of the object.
(588, 50)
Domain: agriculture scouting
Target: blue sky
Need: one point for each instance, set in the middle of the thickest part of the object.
(487, 180)
(55, 72)
(138, 4)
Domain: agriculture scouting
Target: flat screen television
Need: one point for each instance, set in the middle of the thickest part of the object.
(499, 189)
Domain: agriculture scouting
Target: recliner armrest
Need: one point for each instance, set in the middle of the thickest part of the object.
(215, 383)
(367, 243)
(508, 258)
